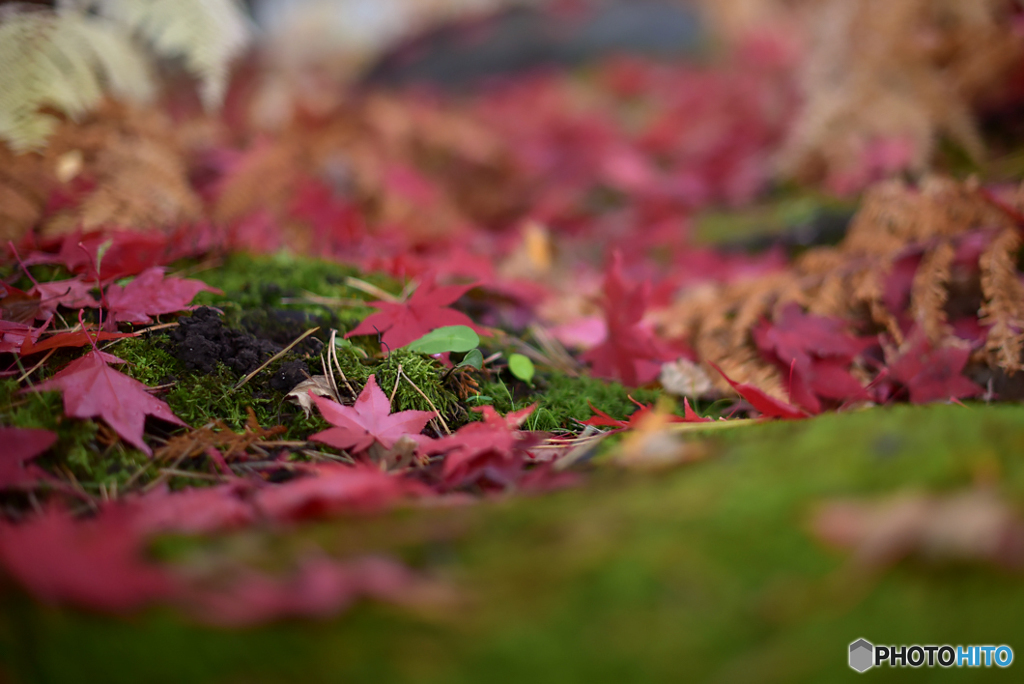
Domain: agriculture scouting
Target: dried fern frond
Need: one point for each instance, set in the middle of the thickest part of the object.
(884, 78)
(1004, 302)
(205, 34)
(63, 62)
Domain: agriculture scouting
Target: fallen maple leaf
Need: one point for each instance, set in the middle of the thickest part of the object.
(93, 389)
(769, 406)
(79, 338)
(631, 352)
(426, 310)
(493, 447)
(333, 489)
(21, 445)
(152, 294)
(368, 420)
(933, 374)
(95, 564)
(72, 294)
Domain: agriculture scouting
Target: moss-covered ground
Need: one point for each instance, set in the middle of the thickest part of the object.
(702, 573)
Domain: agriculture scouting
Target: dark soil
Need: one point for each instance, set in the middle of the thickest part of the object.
(202, 339)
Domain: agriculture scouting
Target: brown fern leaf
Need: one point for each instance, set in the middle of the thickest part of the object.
(25, 184)
(930, 292)
(895, 74)
(1004, 301)
(138, 168)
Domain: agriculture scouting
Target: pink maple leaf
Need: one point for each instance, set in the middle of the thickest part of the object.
(368, 420)
(21, 445)
(426, 310)
(93, 389)
(933, 374)
(151, 294)
(631, 352)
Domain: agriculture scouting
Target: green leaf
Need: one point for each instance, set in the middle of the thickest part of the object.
(451, 338)
(474, 358)
(521, 367)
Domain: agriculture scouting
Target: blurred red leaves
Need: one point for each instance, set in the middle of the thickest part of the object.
(21, 445)
(631, 353)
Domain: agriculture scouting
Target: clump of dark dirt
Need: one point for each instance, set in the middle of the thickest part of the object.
(289, 375)
(202, 339)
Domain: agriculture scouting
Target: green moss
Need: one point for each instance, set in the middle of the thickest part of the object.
(561, 400)
(282, 280)
(426, 374)
(76, 449)
(201, 398)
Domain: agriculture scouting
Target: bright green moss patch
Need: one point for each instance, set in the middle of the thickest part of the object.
(562, 400)
(315, 287)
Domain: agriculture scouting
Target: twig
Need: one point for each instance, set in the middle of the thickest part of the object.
(371, 289)
(333, 353)
(401, 374)
(398, 379)
(274, 358)
(36, 367)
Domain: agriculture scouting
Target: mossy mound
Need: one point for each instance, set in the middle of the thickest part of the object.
(704, 573)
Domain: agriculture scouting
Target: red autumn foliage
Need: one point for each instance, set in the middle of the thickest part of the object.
(814, 353)
(426, 310)
(92, 389)
(332, 489)
(97, 564)
(151, 294)
(933, 374)
(769, 406)
(80, 338)
(21, 445)
(631, 353)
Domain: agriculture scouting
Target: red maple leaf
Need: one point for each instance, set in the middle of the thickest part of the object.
(814, 353)
(368, 420)
(19, 446)
(14, 335)
(93, 389)
(931, 374)
(768, 405)
(79, 338)
(151, 294)
(631, 352)
(602, 419)
(492, 447)
(426, 310)
(332, 489)
(96, 564)
(72, 294)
